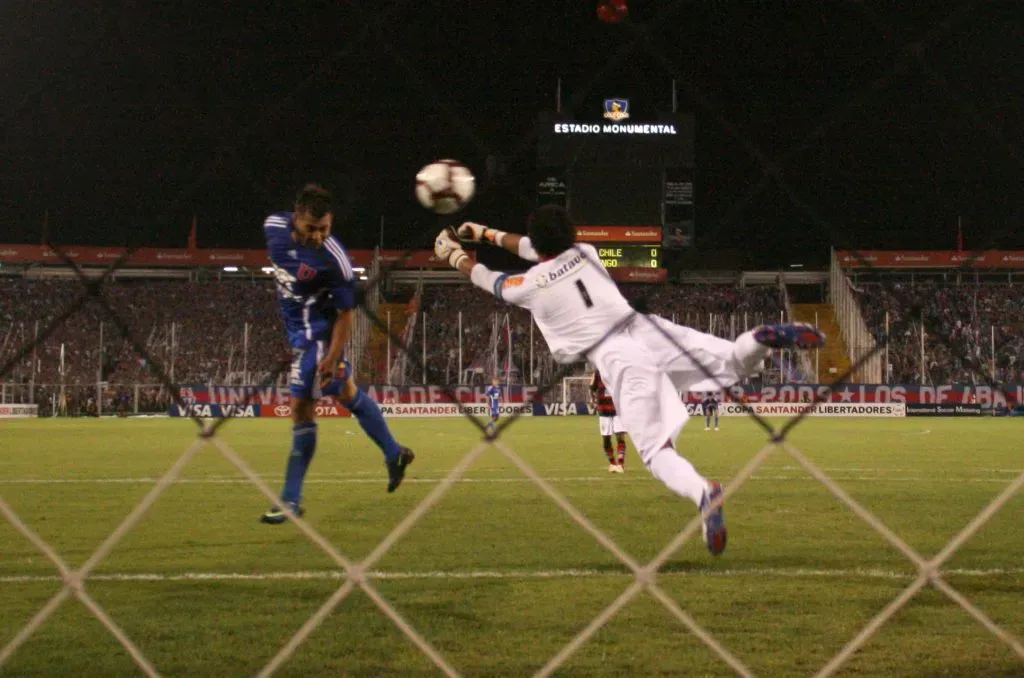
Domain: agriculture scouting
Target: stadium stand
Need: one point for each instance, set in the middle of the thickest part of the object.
(228, 331)
(968, 329)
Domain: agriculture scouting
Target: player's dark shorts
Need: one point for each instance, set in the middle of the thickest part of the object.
(303, 379)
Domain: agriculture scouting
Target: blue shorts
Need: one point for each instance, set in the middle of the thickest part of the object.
(494, 412)
(303, 379)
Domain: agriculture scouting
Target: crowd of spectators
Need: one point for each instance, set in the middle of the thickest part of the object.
(720, 309)
(229, 331)
(195, 331)
(961, 323)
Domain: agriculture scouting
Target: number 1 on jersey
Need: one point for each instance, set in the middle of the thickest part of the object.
(587, 301)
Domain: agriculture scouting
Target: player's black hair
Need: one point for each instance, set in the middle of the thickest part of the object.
(315, 199)
(550, 230)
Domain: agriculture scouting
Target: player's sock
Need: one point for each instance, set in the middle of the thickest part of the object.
(747, 354)
(621, 450)
(678, 474)
(303, 449)
(372, 421)
(608, 449)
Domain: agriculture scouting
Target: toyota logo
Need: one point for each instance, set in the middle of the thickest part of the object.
(282, 410)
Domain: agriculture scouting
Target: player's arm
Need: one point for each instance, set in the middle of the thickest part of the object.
(502, 285)
(343, 294)
(340, 334)
(518, 245)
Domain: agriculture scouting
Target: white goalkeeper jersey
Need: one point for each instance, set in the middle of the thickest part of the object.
(574, 301)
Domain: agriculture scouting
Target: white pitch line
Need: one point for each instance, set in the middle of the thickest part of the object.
(638, 477)
(316, 575)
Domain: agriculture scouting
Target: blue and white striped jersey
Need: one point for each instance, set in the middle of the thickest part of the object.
(312, 283)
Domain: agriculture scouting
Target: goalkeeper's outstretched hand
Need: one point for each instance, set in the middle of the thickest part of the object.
(471, 232)
(447, 247)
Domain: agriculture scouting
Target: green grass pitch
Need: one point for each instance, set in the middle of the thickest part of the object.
(496, 576)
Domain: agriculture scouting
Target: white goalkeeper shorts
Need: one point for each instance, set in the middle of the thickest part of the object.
(610, 425)
(645, 372)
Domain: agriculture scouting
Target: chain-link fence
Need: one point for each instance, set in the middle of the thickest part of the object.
(358, 574)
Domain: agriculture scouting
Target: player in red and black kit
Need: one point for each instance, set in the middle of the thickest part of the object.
(609, 423)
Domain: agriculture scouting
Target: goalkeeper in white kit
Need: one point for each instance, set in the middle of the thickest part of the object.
(581, 313)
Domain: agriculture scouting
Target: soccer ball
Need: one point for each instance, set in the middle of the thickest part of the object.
(445, 186)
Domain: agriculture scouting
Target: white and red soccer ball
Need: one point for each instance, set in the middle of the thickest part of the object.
(445, 186)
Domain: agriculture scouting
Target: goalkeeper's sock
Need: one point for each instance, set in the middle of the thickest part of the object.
(303, 449)
(372, 421)
(678, 474)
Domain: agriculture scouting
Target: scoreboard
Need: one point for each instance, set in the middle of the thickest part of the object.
(629, 256)
(620, 170)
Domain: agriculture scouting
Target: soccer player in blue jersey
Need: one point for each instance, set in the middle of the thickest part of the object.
(316, 291)
(493, 394)
(710, 407)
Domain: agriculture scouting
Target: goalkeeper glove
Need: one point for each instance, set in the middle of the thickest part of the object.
(447, 247)
(471, 232)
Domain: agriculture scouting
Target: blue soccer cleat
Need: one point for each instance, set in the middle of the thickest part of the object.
(275, 516)
(789, 335)
(713, 525)
(396, 468)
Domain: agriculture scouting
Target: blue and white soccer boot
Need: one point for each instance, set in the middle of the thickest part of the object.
(275, 516)
(790, 335)
(713, 522)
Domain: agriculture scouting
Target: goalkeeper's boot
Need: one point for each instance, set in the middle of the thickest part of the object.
(396, 468)
(275, 516)
(713, 521)
(789, 335)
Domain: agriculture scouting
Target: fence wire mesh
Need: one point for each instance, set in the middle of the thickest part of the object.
(361, 575)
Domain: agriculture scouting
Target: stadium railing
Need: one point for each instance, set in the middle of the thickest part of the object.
(860, 342)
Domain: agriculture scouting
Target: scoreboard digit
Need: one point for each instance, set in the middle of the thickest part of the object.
(630, 256)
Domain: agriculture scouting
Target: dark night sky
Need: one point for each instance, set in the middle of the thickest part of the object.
(123, 123)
